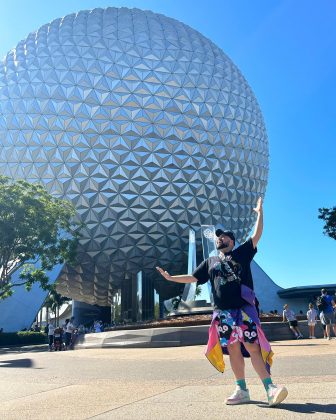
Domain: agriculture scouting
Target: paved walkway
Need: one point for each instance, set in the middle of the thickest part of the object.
(166, 383)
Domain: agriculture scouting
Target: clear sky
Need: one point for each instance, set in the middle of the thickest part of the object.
(286, 51)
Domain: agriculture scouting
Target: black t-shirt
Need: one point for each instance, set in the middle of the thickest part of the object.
(227, 275)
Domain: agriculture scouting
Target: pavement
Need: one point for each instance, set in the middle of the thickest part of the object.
(161, 383)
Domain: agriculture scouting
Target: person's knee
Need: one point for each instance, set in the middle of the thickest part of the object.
(253, 349)
(234, 348)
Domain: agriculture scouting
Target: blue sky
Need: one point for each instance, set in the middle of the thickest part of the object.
(286, 51)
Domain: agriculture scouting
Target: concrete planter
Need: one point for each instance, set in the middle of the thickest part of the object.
(178, 336)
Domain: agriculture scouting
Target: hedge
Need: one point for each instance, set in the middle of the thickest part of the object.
(22, 338)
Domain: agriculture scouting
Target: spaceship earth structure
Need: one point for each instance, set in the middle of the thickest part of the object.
(145, 125)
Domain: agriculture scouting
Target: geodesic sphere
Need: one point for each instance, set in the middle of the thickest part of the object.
(145, 125)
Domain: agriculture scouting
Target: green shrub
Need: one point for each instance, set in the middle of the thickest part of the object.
(22, 338)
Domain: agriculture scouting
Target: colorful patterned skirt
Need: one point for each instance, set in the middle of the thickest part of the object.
(231, 326)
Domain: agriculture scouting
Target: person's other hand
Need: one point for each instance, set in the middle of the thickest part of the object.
(164, 273)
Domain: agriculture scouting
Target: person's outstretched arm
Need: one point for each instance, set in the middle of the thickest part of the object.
(187, 278)
(258, 229)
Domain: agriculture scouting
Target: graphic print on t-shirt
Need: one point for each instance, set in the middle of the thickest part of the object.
(226, 271)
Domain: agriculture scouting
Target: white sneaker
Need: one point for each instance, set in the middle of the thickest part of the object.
(312, 337)
(276, 394)
(238, 397)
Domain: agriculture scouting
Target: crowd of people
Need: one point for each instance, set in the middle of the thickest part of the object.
(323, 308)
(61, 337)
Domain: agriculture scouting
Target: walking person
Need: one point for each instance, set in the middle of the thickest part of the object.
(311, 317)
(325, 304)
(235, 329)
(289, 315)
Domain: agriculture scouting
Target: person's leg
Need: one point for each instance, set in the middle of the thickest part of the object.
(324, 330)
(228, 339)
(257, 360)
(67, 340)
(298, 331)
(241, 394)
(293, 331)
(275, 394)
(313, 330)
(236, 360)
(51, 340)
(328, 331)
(333, 322)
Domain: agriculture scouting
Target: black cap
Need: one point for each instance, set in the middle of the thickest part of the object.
(228, 233)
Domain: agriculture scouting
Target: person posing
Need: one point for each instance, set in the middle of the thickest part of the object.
(311, 317)
(235, 329)
(289, 315)
(325, 304)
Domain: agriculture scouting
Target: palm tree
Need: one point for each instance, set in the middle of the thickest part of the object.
(54, 301)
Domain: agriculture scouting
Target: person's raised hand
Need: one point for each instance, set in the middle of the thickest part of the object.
(258, 207)
(164, 273)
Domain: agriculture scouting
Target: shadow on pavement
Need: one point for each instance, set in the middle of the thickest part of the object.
(307, 408)
(17, 363)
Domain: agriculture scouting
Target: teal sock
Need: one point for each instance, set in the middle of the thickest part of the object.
(266, 382)
(242, 384)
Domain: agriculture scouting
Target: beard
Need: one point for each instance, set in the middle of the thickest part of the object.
(222, 245)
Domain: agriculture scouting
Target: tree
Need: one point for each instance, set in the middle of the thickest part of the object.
(329, 216)
(198, 291)
(34, 226)
(54, 301)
